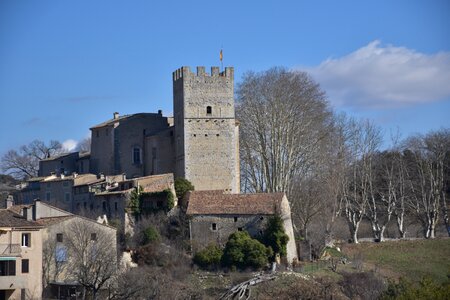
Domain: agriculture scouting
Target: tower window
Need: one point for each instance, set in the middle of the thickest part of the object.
(208, 110)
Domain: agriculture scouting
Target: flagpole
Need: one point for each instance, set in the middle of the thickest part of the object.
(221, 58)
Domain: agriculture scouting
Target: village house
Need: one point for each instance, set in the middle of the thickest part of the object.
(20, 255)
(34, 257)
(215, 215)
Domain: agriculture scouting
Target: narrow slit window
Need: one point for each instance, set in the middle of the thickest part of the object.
(208, 110)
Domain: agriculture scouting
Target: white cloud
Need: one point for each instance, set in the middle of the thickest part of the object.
(69, 145)
(384, 76)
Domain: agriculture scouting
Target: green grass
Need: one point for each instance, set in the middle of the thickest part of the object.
(409, 259)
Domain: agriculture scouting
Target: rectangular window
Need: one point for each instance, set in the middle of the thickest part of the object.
(235, 219)
(26, 239)
(96, 133)
(59, 237)
(7, 267)
(25, 265)
(214, 226)
(60, 253)
(136, 155)
(115, 206)
(93, 236)
(65, 183)
(239, 228)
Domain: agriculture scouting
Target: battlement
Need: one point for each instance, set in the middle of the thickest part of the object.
(185, 72)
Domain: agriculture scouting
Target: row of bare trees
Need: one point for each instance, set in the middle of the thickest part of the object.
(331, 166)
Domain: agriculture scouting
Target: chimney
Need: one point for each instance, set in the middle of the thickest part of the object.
(27, 214)
(9, 201)
(159, 112)
(115, 115)
(74, 174)
(62, 176)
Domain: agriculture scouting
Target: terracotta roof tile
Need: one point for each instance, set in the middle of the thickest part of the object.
(220, 203)
(53, 220)
(8, 218)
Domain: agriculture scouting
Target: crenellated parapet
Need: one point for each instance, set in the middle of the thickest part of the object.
(185, 72)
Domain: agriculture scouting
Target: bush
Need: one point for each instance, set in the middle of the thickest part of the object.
(242, 251)
(426, 289)
(150, 235)
(182, 186)
(209, 257)
(274, 235)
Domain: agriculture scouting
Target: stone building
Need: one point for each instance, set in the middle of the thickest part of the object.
(200, 143)
(215, 215)
(66, 163)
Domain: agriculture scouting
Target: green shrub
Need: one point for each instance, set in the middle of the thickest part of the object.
(182, 186)
(242, 251)
(426, 289)
(209, 257)
(274, 235)
(150, 235)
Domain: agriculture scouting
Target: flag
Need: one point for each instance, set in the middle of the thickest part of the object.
(221, 55)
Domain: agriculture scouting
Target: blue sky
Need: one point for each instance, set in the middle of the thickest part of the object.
(68, 65)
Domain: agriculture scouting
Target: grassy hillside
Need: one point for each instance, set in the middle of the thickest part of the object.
(411, 259)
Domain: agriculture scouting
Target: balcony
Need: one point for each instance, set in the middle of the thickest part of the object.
(10, 250)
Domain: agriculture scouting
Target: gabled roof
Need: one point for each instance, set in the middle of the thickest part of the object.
(9, 218)
(220, 203)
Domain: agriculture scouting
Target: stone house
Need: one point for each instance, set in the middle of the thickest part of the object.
(215, 215)
(113, 203)
(65, 163)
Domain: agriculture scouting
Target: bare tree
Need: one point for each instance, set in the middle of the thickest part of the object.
(24, 163)
(427, 158)
(92, 256)
(53, 261)
(363, 140)
(84, 145)
(284, 117)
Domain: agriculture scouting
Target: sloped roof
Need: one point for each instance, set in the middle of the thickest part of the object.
(112, 121)
(156, 183)
(53, 220)
(9, 218)
(59, 156)
(220, 203)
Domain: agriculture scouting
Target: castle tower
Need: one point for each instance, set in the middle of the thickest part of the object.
(206, 131)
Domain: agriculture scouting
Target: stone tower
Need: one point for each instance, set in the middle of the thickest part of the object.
(206, 131)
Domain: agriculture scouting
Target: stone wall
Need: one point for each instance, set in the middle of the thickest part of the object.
(203, 231)
(160, 153)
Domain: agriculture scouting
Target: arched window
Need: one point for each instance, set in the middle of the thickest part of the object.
(137, 157)
(208, 110)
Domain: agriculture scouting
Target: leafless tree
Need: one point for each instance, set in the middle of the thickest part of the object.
(363, 140)
(84, 145)
(427, 158)
(24, 163)
(53, 261)
(284, 117)
(92, 256)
